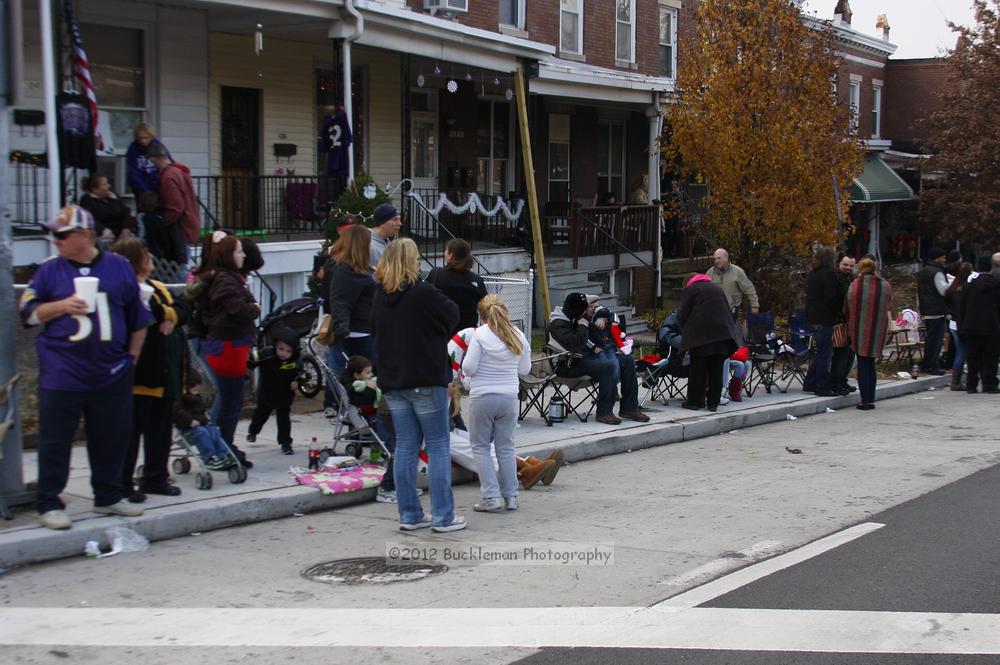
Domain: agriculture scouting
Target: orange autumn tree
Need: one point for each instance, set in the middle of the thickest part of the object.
(757, 119)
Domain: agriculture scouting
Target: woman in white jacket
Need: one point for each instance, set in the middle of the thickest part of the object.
(498, 353)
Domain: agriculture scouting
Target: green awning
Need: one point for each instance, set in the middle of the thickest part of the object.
(878, 183)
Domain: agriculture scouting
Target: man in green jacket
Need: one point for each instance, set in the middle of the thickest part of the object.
(737, 286)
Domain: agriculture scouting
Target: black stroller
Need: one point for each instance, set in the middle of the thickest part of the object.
(299, 315)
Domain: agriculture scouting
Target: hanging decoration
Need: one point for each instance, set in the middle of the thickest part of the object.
(474, 206)
(258, 46)
(437, 71)
(509, 94)
(420, 80)
(452, 86)
(496, 82)
(468, 76)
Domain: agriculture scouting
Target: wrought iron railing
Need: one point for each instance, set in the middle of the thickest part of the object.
(602, 230)
(269, 204)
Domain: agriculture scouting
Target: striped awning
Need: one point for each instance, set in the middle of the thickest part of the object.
(878, 183)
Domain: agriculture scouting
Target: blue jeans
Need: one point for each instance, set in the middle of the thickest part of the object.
(227, 405)
(933, 339)
(606, 372)
(422, 412)
(336, 361)
(818, 377)
(208, 440)
(959, 352)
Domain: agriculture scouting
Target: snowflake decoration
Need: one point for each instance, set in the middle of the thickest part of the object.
(420, 81)
(452, 86)
(370, 191)
(509, 94)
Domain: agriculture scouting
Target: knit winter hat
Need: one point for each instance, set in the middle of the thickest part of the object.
(575, 305)
(383, 213)
(935, 254)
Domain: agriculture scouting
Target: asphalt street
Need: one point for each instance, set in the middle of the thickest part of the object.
(904, 500)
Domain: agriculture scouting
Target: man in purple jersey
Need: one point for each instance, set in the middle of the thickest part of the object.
(86, 361)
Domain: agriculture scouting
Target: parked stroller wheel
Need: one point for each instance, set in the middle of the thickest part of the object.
(237, 475)
(353, 449)
(310, 378)
(139, 470)
(182, 465)
(203, 480)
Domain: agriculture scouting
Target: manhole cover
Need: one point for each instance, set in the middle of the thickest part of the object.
(371, 570)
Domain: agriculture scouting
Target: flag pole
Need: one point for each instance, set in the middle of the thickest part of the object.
(49, 95)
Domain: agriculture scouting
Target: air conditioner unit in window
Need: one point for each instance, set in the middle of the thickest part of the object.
(446, 6)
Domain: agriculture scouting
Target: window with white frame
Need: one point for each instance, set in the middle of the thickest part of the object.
(611, 161)
(876, 111)
(855, 101)
(512, 13)
(668, 42)
(571, 26)
(117, 58)
(625, 30)
(559, 171)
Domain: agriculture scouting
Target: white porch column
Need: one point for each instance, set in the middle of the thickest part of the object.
(348, 106)
(49, 95)
(653, 171)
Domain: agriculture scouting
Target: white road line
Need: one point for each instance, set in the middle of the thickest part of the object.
(716, 566)
(696, 628)
(744, 576)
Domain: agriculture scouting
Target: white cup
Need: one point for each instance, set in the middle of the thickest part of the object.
(86, 288)
(145, 292)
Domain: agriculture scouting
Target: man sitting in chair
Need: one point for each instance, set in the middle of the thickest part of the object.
(569, 330)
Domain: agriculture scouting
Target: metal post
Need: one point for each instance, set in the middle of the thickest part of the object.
(49, 96)
(348, 106)
(653, 171)
(529, 179)
(11, 480)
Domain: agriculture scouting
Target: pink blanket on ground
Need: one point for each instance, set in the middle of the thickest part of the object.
(341, 481)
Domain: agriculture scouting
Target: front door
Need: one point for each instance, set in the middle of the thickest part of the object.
(240, 139)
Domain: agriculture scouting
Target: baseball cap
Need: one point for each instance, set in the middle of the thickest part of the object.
(384, 212)
(591, 298)
(71, 218)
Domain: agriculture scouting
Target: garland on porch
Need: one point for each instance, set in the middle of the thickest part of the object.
(474, 205)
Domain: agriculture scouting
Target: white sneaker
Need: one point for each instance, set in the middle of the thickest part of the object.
(510, 503)
(55, 519)
(489, 505)
(457, 524)
(386, 496)
(123, 508)
(723, 401)
(329, 412)
(424, 522)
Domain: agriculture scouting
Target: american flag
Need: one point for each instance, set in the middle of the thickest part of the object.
(81, 68)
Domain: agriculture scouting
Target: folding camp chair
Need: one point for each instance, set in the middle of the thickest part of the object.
(576, 392)
(531, 387)
(795, 356)
(661, 378)
(764, 345)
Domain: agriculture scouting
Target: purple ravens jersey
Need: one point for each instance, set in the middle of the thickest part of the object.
(91, 351)
(336, 141)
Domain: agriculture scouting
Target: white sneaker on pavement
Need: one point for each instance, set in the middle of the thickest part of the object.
(55, 519)
(123, 508)
(457, 524)
(329, 412)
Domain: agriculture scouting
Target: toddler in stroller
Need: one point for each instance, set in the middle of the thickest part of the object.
(191, 420)
(364, 394)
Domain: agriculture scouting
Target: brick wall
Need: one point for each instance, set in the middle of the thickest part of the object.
(911, 93)
(868, 74)
(542, 25)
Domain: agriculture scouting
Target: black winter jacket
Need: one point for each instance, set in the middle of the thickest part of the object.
(932, 303)
(979, 307)
(190, 407)
(824, 297)
(351, 296)
(705, 317)
(109, 213)
(465, 288)
(412, 327)
(158, 372)
(573, 336)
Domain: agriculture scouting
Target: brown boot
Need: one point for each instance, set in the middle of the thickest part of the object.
(530, 473)
(558, 459)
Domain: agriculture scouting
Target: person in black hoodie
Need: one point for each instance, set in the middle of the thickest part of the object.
(279, 368)
(979, 327)
(412, 323)
(459, 282)
(824, 302)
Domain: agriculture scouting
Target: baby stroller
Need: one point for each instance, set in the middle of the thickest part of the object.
(185, 455)
(300, 316)
(350, 427)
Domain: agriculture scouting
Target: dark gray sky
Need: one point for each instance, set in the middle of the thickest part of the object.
(918, 27)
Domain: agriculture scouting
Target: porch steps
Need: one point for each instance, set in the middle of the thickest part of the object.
(562, 282)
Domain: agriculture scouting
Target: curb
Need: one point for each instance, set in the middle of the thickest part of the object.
(31, 544)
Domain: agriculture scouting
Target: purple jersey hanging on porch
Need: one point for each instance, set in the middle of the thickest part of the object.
(336, 142)
(75, 131)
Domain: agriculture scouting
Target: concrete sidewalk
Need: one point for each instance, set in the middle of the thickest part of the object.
(270, 491)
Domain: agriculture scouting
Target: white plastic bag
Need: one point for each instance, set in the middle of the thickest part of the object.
(124, 539)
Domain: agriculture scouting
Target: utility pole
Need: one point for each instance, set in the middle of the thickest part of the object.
(529, 179)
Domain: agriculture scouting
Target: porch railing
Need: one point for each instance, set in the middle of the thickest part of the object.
(269, 204)
(602, 230)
